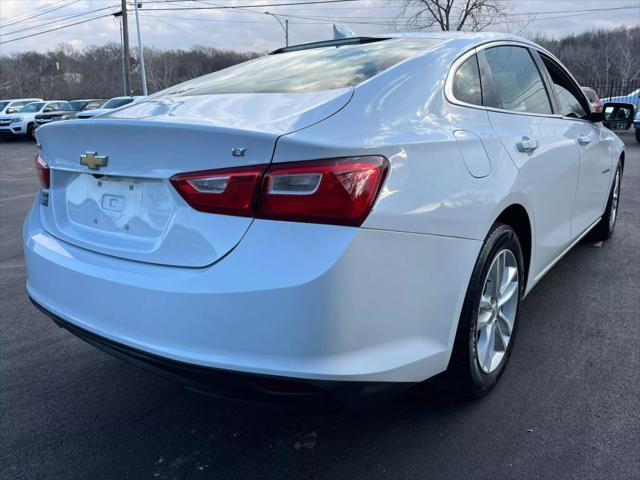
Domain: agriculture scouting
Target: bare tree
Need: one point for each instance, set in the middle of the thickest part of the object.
(474, 15)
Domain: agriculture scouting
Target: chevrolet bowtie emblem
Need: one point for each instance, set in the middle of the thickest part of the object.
(93, 160)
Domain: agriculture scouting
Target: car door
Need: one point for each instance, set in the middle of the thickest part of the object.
(593, 147)
(540, 143)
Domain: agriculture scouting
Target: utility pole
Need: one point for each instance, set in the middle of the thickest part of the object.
(122, 48)
(143, 74)
(284, 26)
(125, 52)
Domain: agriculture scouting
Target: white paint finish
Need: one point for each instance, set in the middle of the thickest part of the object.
(377, 303)
(148, 142)
(596, 167)
(550, 176)
(276, 113)
(407, 118)
(473, 153)
(310, 301)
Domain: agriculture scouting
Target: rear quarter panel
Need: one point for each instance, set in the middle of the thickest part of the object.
(403, 114)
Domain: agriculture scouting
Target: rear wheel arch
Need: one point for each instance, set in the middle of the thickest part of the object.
(517, 217)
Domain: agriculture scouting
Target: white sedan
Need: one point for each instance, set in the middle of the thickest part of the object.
(342, 218)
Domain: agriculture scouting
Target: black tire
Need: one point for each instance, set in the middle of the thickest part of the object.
(605, 227)
(464, 374)
(31, 131)
(637, 134)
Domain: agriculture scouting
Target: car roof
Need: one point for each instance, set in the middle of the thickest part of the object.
(462, 40)
(21, 100)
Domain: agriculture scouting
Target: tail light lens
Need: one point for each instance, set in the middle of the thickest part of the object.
(43, 171)
(338, 191)
(230, 191)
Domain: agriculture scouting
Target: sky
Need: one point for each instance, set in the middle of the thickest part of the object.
(256, 29)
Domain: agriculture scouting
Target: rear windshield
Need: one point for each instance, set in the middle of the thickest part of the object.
(117, 102)
(73, 106)
(310, 70)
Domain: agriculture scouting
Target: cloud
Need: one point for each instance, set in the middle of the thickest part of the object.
(253, 30)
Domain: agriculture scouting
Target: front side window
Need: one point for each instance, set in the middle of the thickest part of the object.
(308, 70)
(571, 101)
(569, 105)
(32, 107)
(466, 82)
(517, 82)
(16, 106)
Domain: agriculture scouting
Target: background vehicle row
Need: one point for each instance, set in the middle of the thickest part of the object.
(19, 117)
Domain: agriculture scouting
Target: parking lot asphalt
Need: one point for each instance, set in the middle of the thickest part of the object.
(568, 405)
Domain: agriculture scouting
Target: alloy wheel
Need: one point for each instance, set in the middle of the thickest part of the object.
(614, 200)
(497, 311)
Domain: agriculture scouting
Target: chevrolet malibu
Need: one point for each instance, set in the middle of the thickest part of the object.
(339, 219)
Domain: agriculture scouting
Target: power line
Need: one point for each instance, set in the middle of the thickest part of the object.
(26, 14)
(239, 7)
(57, 28)
(234, 7)
(40, 14)
(249, 9)
(58, 20)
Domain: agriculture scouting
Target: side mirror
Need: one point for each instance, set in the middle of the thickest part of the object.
(618, 116)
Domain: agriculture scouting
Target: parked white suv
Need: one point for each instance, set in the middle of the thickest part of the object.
(13, 105)
(8, 107)
(22, 122)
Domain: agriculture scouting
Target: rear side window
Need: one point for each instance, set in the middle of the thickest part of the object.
(517, 81)
(308, 70)
(466, 82)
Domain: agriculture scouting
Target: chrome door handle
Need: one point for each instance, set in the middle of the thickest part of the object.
(584, 139)
(527, 145)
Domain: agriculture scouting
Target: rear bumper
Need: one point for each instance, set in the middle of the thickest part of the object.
(238, 385)
(311, 302)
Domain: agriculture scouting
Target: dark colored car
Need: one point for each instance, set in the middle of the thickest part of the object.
(69, 110)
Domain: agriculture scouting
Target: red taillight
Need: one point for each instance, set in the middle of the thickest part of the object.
(337, 191)
(230, 191)
(43, 171)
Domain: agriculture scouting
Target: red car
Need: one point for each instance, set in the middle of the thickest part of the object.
(593, 98)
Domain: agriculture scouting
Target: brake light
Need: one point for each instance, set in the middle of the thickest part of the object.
(43, 171)
(338, 191)
(230, 191)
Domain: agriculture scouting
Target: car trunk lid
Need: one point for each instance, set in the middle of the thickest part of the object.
(126, 207)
